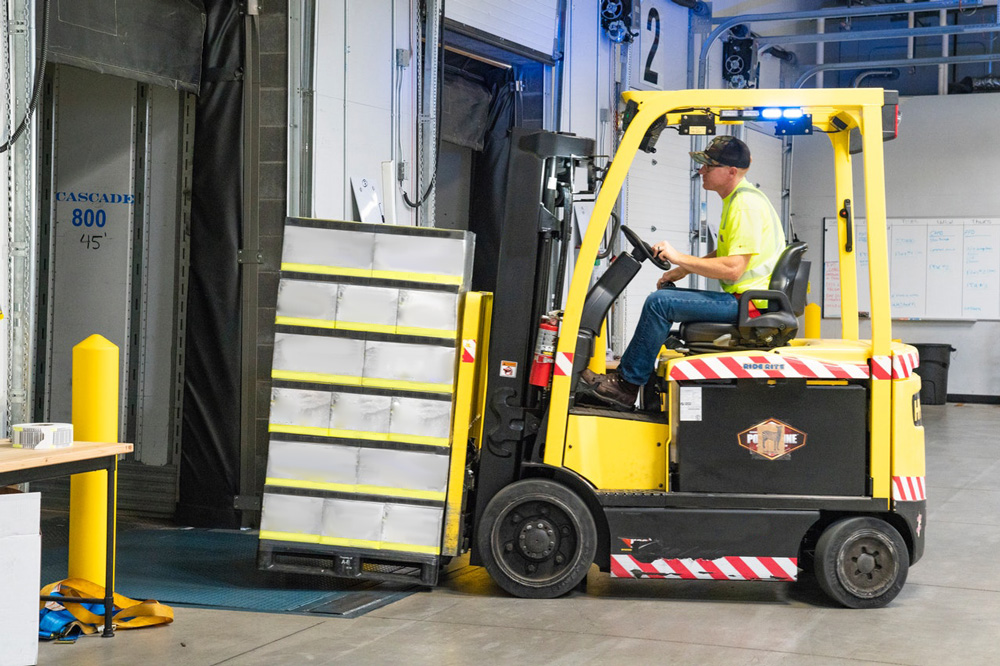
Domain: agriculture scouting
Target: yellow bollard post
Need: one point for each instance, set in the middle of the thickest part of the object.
(813, 318)
(95, 419)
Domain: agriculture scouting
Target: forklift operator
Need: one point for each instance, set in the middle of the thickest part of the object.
(749, 242)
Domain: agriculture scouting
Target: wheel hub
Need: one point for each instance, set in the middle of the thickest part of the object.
(868, 565)
(537, 539)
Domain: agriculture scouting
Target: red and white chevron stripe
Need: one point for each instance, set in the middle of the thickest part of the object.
(908, 489)
(881, 367)
(770, 366)
(468, 351)
(723, 568)
(564, 364)
(897, 366)
(904, 364)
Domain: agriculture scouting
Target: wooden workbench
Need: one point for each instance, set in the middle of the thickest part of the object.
(27, 461)
(26, 465)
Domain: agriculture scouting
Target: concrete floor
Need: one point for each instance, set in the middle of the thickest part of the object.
(948, 613)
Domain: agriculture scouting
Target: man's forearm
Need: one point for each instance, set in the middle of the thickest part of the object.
(688, 272)
(711, 266)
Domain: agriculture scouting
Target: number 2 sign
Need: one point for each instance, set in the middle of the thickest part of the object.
(662, 58)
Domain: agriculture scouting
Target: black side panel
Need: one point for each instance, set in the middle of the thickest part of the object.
(914, 514)
(608, 288)
(652, 534)
(820, 432)
(210, 445)
(153, 41)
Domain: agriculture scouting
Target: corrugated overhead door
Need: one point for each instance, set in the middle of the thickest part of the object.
(657, 208)
(658, 188)
(530, 23)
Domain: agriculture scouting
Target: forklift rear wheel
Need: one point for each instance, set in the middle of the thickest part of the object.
(537, 539)
(862, 562)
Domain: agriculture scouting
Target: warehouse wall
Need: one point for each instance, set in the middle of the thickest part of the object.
(5, 216)
(943, 163)
(355, 76)
(657, 199)
(271, 206)
(355, 79)
(355, 83)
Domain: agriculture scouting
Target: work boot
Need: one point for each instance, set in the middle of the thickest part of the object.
(617, 392)
(591, 378)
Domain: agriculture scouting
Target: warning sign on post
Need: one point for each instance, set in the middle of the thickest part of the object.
(508, 369)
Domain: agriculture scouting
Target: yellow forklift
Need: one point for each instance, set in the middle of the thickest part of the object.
(756, 454)
(759, 456)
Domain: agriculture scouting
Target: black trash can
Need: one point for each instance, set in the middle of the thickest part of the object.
(933, 371)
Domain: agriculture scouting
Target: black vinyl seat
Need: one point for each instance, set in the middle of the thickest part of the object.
(777, 323)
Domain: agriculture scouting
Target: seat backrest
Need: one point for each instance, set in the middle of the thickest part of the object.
(787, 274)
(800, 289)
(774, 327)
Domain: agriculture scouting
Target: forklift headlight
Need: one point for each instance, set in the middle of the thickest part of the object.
(771, 113)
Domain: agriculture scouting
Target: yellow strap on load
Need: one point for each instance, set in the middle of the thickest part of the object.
(430, 278)
(399, 438)
(367, 382)
(392, 329)
(349, 543)
(127, 613)
(357, 488)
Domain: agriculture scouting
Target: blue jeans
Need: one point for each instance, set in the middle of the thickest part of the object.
(661, 310)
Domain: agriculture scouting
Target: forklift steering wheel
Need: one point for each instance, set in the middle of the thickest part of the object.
(643, 247)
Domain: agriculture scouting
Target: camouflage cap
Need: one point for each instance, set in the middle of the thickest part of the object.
(724, 150)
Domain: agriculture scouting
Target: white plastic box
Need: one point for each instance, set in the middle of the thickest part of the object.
(21, 561)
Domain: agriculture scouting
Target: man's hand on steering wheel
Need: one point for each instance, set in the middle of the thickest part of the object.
(665, 251)
(644, 250)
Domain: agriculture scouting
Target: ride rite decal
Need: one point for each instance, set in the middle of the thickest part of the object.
(771, 440)
(763, 366)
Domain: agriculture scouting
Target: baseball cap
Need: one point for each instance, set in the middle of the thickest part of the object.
(724, 150)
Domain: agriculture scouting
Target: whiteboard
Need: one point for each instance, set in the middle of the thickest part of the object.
(939, 268)
(831, 267)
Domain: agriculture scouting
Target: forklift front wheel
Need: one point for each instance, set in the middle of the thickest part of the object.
(537, 539)
(862, 562)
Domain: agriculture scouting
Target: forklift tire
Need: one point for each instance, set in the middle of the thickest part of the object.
(537, 539)
(862, 562)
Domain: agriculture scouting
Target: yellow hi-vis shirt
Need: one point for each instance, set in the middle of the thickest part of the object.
(750, 226)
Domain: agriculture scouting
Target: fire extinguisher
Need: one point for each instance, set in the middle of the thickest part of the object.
(545, 349)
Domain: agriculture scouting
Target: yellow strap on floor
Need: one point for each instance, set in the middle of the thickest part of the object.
(128, 613)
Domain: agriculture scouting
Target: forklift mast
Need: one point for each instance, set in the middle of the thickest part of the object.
(536, 237)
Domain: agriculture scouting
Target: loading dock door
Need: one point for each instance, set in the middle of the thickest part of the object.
(110, 245)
